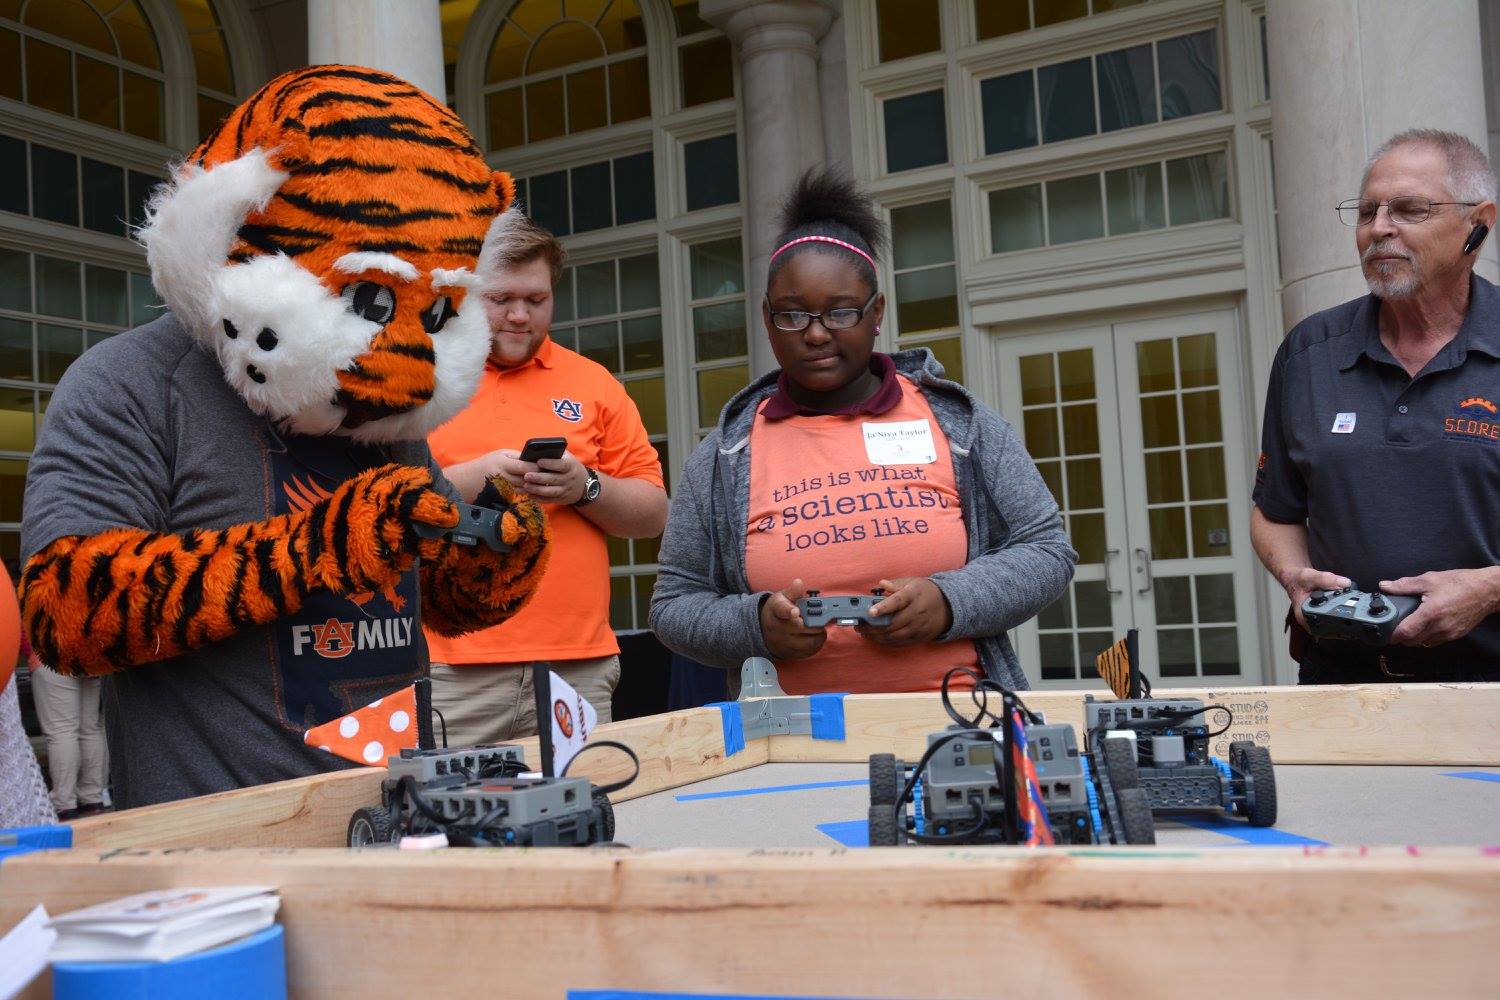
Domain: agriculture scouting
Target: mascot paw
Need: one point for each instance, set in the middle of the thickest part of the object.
(369, 530)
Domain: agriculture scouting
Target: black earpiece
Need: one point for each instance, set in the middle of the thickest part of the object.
(1476, 237)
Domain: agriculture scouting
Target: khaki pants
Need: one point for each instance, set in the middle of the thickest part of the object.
(68, 709)
(496, 702)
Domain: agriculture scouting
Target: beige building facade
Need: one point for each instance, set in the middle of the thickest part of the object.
(1105, 216)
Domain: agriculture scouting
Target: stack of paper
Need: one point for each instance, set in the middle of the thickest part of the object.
(163, 925)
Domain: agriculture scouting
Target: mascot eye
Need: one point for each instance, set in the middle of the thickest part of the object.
(370, 301)
(437, 315)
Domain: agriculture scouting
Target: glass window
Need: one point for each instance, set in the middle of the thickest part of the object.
(15, 280)
(1135, 199)
(716, 268)
(17, 419)
(715, 388)
(926, 300)
(717, 300)
(549, 202)
(915, 131)
(591, 197)
(49, 77)
(1016, 219)
(1127, 88)
(1009, 109)
(719, 331)
(57, 288)
(1074, 209)
(15, 349)
(144, 114)
(993, 18)
(639, 286)
(54, 191)
(1198, 188)
(141, 186)
(1189, 68)
(908, 28)
(588, 106)
(922, 235)
(635, 188)
(1067, 100)
(105, 299)
(1056, 11)
(57, 347)
(505, 118)
(98, 92)
(103, 197)
(10, 65)
(13, 184)
(143, 301)
(629, 90)
(712, 171)
(707, 71)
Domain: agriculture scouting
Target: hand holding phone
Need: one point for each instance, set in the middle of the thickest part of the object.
(539, 448)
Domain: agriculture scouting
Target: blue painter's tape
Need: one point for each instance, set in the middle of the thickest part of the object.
(253, 968)
(634, 995)
(734, 726)
(769, 789)
(25, 839)
(827, 716)
(851, 833)
(1259, 836)
(1473, 775)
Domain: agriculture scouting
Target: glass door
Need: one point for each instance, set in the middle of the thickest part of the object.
(1135, 427)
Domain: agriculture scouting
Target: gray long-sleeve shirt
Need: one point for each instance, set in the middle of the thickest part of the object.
(1019, 559)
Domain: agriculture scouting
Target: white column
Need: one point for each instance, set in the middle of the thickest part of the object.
(777, 44)
(403, 37)
(1345, 77)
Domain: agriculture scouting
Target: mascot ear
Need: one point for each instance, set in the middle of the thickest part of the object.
(505, 190)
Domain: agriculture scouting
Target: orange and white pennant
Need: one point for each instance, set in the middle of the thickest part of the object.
(371, 734)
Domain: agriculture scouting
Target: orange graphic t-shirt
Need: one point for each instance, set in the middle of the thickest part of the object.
(842, 502)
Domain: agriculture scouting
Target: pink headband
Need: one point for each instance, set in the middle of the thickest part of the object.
(824, 239)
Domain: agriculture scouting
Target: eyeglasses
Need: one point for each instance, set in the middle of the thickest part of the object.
(796, 320)
(1404, 211)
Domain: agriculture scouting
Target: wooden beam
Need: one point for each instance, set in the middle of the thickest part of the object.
(1447, 724)
(893, 922)
(675, 749)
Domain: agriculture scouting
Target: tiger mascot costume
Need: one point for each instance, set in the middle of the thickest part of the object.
(221, 512)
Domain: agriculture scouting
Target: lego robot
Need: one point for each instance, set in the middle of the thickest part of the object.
(965, 789)
(482, 797)
(1168, 739)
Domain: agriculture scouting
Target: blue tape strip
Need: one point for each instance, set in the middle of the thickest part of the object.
(635, 995)
(24, 839)
(769, 789)
(1259, 836)
(850, 833)
(734, 726)
(252, 968)
(1473, 775)
(827, 716)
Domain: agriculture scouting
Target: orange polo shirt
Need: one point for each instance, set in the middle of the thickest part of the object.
(558, 393)
(843, 502)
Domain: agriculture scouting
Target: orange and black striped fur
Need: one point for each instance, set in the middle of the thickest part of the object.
(321, 243)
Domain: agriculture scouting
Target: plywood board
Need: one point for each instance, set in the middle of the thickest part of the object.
(875, 923)
(1449, 724)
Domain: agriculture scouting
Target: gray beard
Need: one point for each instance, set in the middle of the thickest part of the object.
(1395, 287)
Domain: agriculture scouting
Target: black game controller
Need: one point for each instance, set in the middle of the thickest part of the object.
(848, 609)
(1365, 617)
(475, 525)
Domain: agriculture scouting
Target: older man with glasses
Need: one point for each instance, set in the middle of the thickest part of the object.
(1380, 460)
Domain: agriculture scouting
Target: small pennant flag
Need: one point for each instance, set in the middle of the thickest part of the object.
(1036, 829)
(1114, 666)
(573, 718)
(371, 734)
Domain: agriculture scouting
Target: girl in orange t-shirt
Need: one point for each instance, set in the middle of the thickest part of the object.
(848, 471)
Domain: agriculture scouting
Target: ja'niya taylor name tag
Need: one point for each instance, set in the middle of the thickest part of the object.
(1343, 423)
(901, 442)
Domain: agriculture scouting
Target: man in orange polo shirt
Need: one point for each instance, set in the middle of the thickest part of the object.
(609, 482)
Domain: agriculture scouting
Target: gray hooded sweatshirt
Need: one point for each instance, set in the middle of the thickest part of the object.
(1019, 559)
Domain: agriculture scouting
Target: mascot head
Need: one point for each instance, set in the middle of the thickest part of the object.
(322, 241)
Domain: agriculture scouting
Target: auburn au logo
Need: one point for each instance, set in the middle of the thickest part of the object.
(1474, 419)
(564, 717)
(568, 409)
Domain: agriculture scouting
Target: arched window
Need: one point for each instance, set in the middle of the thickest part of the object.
(215, 70)
(559, 68)
(95, 61)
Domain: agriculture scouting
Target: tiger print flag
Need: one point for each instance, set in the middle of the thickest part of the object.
(1114, 666)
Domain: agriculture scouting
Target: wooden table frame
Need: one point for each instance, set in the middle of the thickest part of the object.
(867, 923)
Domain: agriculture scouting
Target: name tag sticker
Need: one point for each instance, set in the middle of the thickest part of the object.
(901, 442)
(1343, 423)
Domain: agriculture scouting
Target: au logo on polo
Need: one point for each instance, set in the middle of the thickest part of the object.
(568, 410)
(1474, 419)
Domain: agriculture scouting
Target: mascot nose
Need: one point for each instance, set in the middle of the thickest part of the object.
(396, 375)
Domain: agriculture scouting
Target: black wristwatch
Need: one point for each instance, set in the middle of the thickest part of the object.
(590, 488)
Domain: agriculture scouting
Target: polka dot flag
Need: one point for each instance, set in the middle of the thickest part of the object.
(371, 734)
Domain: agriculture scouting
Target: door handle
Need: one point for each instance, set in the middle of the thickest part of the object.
(1109, 584)
(1144, 566)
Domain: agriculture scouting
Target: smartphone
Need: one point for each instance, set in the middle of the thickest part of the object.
(539, 448)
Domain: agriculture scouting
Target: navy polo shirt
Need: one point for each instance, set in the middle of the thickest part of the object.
(1393, 475)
